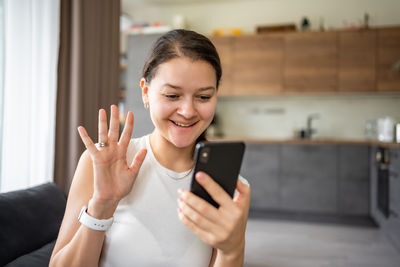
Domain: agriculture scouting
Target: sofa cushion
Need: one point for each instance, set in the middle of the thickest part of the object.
(29, 219)
(37, 258)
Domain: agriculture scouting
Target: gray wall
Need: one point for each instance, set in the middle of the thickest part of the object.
(138, 49)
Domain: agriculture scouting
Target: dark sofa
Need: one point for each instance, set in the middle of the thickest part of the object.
(29, 224)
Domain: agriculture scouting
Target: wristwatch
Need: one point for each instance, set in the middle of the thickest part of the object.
(93, 223)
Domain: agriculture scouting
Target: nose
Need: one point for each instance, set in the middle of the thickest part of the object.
(187, 109)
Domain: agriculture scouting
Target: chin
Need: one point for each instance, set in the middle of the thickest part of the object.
(183, 141)
(179, 143)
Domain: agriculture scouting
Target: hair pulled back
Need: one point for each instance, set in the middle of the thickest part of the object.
(181, 43)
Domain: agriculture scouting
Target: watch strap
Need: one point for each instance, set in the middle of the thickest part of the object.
(93, 223)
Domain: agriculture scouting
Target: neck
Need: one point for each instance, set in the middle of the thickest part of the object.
(168, 155)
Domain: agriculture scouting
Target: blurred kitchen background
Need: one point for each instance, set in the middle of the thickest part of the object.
(313, 88)
(275, 83)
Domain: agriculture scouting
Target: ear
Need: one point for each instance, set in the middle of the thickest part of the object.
(145, 90)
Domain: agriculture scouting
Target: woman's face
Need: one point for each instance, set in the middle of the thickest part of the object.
(182, 97)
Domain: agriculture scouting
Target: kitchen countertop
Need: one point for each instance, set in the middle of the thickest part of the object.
(313, 141)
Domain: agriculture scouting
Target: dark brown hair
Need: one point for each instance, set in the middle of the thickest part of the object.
(181, 43)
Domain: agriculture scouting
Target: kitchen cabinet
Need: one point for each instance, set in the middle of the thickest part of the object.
(308, 178)
(375, 213)
(373, 177)
(330, 179)
(310, 63)
(224, 48)
(390, 225)
(353, 180)
(393, 223)
(303, 62)
(388, 55)
(257, 64)
(357, 61)
(261, 168)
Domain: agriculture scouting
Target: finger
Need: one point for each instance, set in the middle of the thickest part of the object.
(244, 193)
(113, 132)
(204, 235)
(199, 204)
(87, 141)
(198, 218)
(102, 126)
(137, 161)
(127, 132)
(215, 190)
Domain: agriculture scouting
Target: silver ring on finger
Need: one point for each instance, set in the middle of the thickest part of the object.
(103, 144)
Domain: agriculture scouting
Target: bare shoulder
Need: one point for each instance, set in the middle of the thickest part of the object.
(79, 194)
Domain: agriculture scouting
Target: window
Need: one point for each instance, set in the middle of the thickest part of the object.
(1, 76)
(31, 32)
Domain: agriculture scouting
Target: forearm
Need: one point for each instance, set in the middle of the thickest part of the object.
(83, 250)
(85, 247)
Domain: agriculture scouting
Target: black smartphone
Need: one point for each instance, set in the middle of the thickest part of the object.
(220, 160)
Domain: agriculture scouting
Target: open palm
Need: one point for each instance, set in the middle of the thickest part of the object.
(113, 177)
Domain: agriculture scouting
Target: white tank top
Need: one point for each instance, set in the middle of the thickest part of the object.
(146, 229)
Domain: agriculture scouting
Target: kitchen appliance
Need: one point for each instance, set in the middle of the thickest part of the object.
(382, 159)
(385, 129)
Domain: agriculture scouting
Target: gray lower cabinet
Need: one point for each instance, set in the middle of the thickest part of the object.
(323, 179)
(308, 178)
(373, 174)
(393, 222)
(390, 225)
(353, 180)
(261, 168)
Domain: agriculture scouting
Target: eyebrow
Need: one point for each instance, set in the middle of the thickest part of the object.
(180, 88)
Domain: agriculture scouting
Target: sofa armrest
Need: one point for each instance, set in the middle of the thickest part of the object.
(37, 258)
(29, 219)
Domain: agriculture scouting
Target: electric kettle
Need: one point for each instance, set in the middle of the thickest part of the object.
(385, 129)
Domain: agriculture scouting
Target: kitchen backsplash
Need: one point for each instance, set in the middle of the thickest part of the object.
(340, 116)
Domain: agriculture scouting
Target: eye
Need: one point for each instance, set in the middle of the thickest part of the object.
(171, 96)
(204, 97)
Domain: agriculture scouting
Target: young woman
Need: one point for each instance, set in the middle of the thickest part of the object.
(141, 186)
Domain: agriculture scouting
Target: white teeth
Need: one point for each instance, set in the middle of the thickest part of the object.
(182, 125)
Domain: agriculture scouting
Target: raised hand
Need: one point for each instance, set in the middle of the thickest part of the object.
(113, 178)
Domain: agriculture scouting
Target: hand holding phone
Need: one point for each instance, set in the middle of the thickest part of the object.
(221, 161)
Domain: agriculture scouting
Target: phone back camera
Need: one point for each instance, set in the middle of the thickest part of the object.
(204, 154)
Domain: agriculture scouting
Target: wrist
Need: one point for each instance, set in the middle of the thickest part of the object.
(234, 255)
(93, 223)
(101, 209)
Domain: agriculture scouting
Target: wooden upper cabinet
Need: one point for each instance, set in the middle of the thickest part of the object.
(257, 64)
(310, 63)
(297, 62)
(357, 61)
(224, 48)
(388, 56)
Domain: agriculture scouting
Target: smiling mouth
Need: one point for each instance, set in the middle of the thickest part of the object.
(183, 125)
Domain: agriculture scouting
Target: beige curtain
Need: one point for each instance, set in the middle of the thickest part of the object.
(88, 76)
